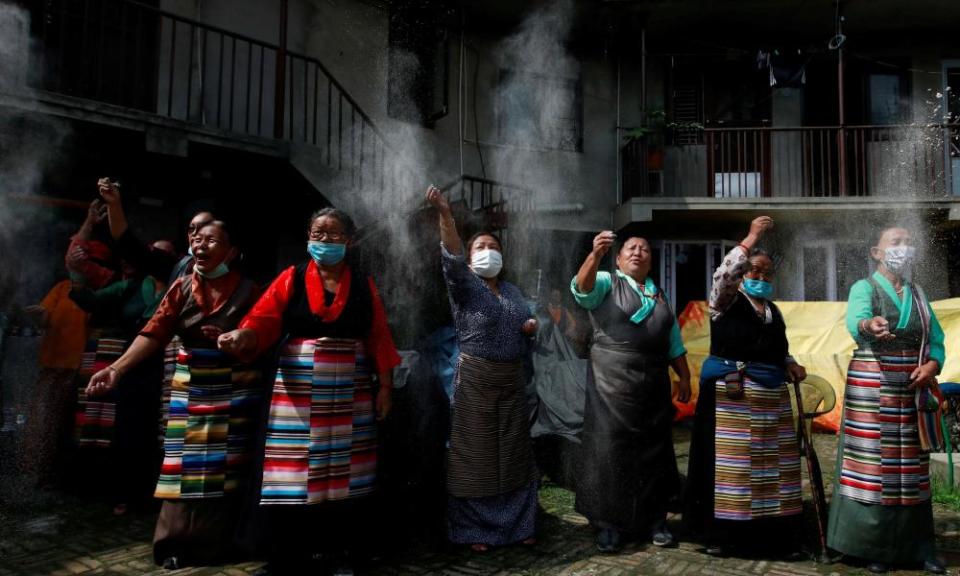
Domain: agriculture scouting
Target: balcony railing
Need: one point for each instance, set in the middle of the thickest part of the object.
(811, 161)
(134, 55)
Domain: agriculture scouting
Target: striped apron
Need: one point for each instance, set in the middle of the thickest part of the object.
(212, 421)
(757, 463)
(170, 354)
(95, 418)
(490, 448)
(882, 462)
(321, 440)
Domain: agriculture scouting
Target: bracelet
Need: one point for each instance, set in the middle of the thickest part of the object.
(114, 370)
(745, 249)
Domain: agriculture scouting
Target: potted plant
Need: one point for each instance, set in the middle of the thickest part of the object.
(656, 132)
(652, 134)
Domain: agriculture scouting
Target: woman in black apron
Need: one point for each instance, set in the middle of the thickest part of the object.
(629, 471)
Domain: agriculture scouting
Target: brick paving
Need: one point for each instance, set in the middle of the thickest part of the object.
(57, 534)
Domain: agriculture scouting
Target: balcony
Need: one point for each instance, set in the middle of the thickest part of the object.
(893, 162)
(809, 167)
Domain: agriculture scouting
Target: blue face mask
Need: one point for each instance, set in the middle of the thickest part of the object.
(217, 272)
(758, 288)
(326, 253)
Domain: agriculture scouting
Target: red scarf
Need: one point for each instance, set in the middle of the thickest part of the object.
(315, 293)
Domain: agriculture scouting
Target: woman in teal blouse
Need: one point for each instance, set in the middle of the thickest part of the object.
(881, 509)
(629, 474)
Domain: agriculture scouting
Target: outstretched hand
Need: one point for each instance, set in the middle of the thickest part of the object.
(102, 382)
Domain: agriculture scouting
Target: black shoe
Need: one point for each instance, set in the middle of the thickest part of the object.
(171, 563)
(662, 537)
(608, 541)
(714, 550)
(793, 556)
(877, 568)
(934, 566)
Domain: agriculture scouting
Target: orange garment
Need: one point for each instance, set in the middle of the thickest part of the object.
(66, 331)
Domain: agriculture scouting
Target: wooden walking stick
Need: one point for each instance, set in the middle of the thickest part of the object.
(813, 471)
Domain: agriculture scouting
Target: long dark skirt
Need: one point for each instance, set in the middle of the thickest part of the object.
(628, 476)
(199, 532)
(494, 520)
(899, 535)
(774, 535)
(299, 533)
(491, 473)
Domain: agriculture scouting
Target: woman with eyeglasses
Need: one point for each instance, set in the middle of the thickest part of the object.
(333, 384)
(743, 478)
(491, 474)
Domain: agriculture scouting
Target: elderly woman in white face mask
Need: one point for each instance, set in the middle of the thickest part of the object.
(491, 476)
(881, 509)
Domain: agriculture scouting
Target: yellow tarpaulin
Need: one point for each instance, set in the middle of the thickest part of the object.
(818, 340)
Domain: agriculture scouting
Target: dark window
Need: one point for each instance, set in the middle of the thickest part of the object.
(888, 99)
(419, 55)
(99, 49)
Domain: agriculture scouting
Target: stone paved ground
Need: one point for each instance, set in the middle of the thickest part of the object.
(55, 534)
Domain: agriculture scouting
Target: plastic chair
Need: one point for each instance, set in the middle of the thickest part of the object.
(819, 398)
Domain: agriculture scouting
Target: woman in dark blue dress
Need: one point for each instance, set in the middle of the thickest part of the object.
(491, 475)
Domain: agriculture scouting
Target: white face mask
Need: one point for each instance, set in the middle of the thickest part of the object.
(486, 263)
(898, 258)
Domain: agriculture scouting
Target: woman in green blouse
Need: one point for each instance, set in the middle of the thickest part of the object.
(881, 509)
(628, 477)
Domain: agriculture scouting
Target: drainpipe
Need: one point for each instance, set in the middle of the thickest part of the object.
(280, 85)
(616, 143)
(841, 132)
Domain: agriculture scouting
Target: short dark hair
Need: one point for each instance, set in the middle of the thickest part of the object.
(473, 238)
(349, 228)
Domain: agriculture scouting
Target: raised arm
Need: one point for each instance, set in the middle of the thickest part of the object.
(83, 270)
(448, 227)
(729, 274)
(587, 275)
(110, 192)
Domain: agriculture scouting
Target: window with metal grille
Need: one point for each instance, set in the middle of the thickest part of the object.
(686, 110)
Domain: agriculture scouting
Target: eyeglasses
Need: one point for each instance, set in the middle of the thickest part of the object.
(326, 235)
